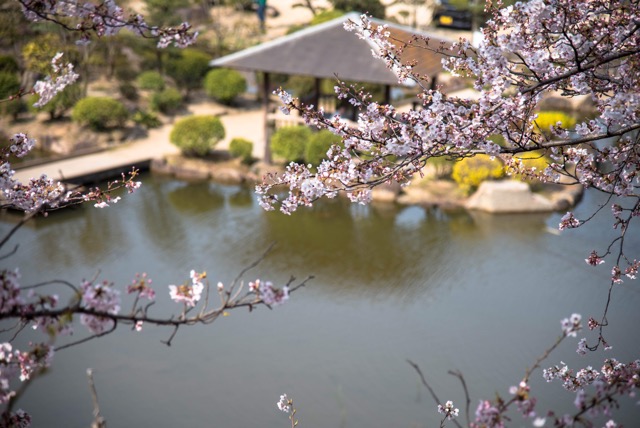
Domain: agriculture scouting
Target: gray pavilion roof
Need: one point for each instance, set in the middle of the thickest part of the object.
(328, 50)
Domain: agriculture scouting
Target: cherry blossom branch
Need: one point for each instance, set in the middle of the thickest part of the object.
(103, 18)
(580, 69)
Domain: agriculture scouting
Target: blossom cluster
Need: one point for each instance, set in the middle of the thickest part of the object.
(448, 410)
(284, 404)
(572, 325)
(100, 297)
(268, 294)
(62, 76)
(189, 294)
(23, 364)
(613, 379)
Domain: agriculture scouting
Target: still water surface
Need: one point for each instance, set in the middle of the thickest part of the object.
(478, 293)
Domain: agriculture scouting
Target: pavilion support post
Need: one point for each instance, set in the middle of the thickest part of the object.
(316, 93)
(266, 95)
(387, 94)
(434, 82)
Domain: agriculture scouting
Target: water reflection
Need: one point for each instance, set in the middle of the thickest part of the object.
(197, 198)
(77, 236)
(363, 251)
(243, 197)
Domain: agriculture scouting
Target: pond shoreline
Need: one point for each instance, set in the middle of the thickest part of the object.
(497, 197)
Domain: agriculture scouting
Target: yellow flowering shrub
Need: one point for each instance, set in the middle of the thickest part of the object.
(470, 172)
(546, 119)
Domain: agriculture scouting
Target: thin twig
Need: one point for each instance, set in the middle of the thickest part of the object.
(88, 338)
(10, 253)
(458, 374)
(98, 420)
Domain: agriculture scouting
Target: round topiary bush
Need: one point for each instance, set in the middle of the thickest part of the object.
(197, 135)
(189, 68)
(100, 113)
(167, 101)
(318, 145)
(470, 172)
(241, 148)
(224, 85)
(290, 143)
(150, 80)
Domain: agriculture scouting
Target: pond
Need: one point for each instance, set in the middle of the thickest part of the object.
(451, 291)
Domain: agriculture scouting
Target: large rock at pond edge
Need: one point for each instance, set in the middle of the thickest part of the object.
(387, 192)
(508, 196)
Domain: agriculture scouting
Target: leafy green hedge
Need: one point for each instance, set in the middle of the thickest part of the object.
(318, 145)
(290, 143)
(100, 113)
(10, 85)
(197, 135)
(224, 85)
(8, 64)
(241, 148)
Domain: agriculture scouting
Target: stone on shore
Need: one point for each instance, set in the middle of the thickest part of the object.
(387, 192)
(509, 196)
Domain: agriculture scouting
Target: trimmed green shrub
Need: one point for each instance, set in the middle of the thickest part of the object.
(197, 135)
(241, 148)
(146, 119)
(128, 91)
(151, 80)
(290, 143)
(62, 101)
(100, 113)
(319, 143)
(167, 101)
(470, 172)
(10, 85)
(372, 7)
(8, 64)
(546, 119)
(188, 69)
(224, 85)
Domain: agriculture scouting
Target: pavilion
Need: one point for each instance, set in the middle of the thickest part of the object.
(329, 51)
